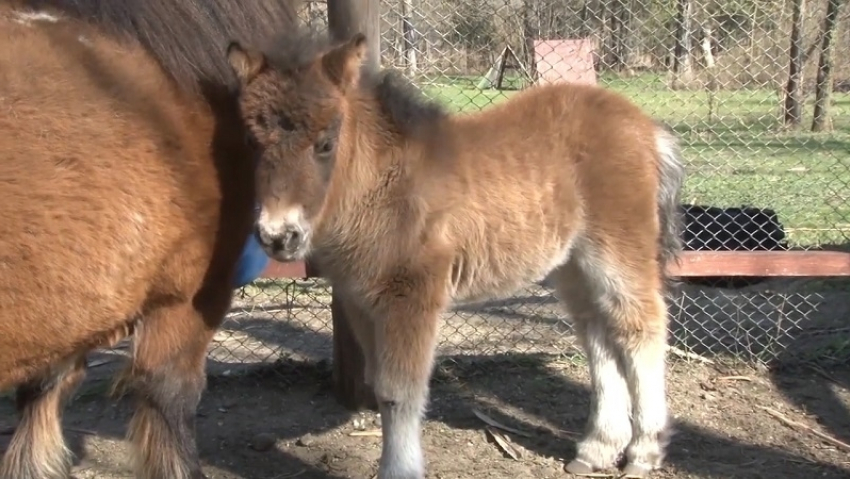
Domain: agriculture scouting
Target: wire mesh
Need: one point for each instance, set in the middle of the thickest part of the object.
(740, 81)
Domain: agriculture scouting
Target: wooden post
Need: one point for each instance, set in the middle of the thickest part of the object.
(345, 18)
(349, 386)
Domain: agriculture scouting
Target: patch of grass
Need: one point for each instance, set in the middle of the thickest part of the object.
(736, 149)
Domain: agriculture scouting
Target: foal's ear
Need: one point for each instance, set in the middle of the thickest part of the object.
(342, 64)
(246, 63)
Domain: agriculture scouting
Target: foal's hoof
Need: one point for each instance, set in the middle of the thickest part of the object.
(637, 470)
(579, 468)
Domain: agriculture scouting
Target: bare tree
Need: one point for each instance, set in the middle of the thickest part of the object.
(793, 89)
(622, 31)
(408, 37)
(822, 120)
(682, 67)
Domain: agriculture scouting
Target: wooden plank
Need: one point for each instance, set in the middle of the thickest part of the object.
(762, 263)
(345, 18)
(694, 263)
(276, 269)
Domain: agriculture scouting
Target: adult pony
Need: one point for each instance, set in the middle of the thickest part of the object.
(126, 198)
(407, 209)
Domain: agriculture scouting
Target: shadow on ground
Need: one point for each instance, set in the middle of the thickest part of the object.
(730, 437)
(721, 432)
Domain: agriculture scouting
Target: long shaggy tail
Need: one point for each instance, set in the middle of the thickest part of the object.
(671, 175)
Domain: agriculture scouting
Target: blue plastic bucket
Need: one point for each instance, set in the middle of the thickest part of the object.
(251, 264)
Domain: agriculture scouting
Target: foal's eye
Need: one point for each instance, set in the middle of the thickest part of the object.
(323, 147)
(285, 123)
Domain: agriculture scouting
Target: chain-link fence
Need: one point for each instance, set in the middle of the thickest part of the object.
(762, 110)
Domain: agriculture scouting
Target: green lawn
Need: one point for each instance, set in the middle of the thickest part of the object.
(736, 150)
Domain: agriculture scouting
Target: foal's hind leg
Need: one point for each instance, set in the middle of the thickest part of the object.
(37, 449)
(168, 378)
(628, 292)
(641, 339)
(609, 427)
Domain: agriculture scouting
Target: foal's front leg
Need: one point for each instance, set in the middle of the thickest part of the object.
(405, 341)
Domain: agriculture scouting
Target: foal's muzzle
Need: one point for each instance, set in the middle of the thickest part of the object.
(287, 243)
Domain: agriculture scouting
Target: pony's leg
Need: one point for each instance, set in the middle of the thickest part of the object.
(167, 376)
(405, 342)
(608, 428)
(405, 347)
(627, 289)
(37, 449)
(641, 340)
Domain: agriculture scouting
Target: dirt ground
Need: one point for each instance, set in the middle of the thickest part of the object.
(282, 422)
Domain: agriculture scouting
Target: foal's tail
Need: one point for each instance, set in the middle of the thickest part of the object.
(671, 177)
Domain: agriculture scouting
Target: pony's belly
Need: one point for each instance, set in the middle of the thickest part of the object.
(500, 276)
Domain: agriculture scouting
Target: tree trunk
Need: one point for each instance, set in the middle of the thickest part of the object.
(822, 120)
(528, 37)
(621, 31)
(793, 89)
(345, 18)
(408, 34)
(682, 68)
(705, 45)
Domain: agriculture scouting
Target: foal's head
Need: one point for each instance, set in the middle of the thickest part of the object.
(294, 107)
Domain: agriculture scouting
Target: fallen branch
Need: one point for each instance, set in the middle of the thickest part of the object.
(372, 433)
(734, 378)
(796, 425)
(492, 422)
(571, 434)
(688, 355)
(294, 474)
(503, 443)
(820, 371)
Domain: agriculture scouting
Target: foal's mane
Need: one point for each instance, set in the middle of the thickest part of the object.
(408, 110)
(188, 37)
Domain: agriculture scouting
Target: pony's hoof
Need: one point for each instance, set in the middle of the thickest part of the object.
(579, 468)
(637, 470)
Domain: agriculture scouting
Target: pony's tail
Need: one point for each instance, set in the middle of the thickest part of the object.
(671, 177)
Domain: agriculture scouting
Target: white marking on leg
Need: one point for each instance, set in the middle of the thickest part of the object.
(401, 454)
(645, 369)
(402, 392)
(642, 364)
(609, 426)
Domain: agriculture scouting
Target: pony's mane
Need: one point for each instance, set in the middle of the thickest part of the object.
(402, 103)
(187, 37)
(295, 48)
